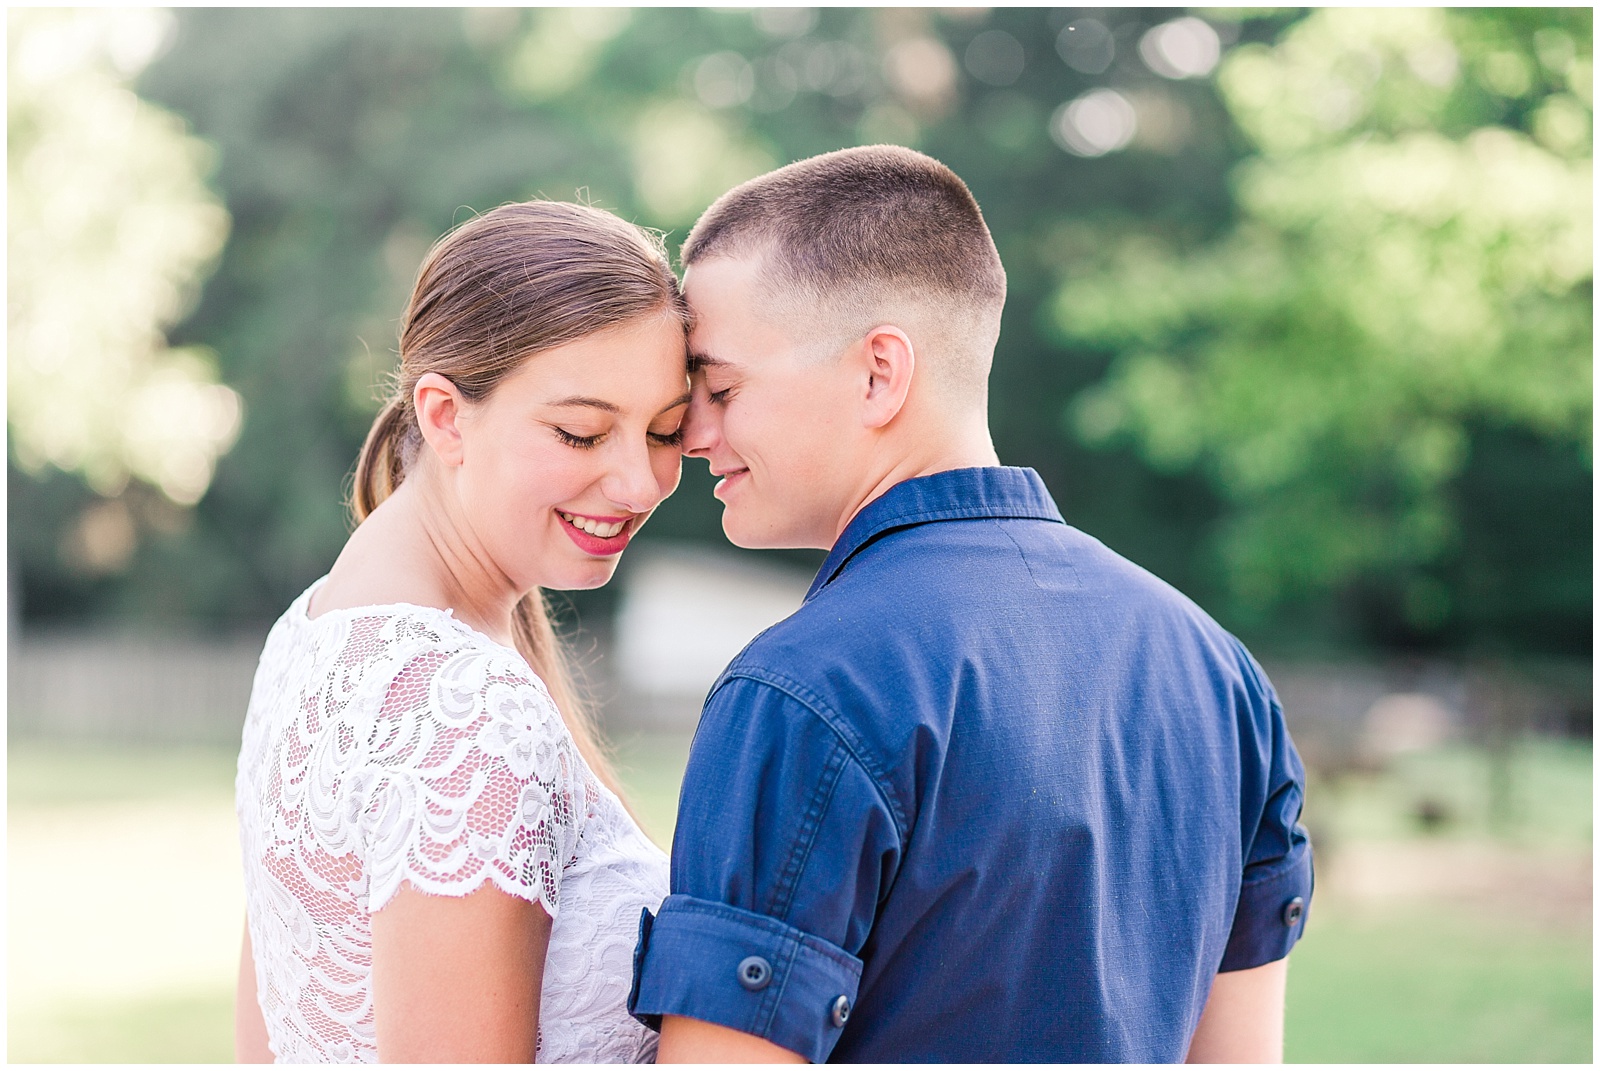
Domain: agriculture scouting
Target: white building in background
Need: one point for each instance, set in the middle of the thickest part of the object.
(684, 614)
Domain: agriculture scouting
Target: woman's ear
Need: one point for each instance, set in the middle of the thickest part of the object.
(890, 361)
(438, 404)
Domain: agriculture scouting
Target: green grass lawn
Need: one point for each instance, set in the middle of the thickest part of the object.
(82, 794)
(43, 775)
(651, 768)
(1436, 982)
(193, 1027)
(1407, 982)
(1423, 986)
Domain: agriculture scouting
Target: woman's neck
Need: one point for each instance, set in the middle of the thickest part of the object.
(415, 548)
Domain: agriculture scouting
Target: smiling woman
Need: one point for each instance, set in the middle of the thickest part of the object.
(537, 456)
(427, 822)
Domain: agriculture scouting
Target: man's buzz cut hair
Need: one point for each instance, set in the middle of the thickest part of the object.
(867, 235)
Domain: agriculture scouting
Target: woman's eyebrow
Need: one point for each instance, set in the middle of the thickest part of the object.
(581, 401)
(589, 403)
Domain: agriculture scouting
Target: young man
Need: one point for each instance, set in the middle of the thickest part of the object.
(993, 793)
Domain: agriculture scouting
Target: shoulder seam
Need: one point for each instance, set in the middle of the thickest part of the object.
(806, 837)
(825, 714)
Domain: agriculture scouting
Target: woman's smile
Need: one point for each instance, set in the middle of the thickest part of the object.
(599, 536)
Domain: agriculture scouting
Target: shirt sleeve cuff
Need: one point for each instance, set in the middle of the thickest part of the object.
(749, 972)
(1272, 913)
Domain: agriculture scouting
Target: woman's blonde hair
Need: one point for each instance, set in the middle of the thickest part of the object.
(491, 294)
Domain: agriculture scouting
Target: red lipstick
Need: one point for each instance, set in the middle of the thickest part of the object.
(601, 546)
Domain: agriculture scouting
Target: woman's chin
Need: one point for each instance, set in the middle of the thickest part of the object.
(593, 574)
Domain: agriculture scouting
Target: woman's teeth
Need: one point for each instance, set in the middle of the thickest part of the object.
(594, 527)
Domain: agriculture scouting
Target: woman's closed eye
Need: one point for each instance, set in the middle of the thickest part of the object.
(667, 438)
(581, 442)
(589, 442)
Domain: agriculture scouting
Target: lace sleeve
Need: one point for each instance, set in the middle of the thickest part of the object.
(471, 779)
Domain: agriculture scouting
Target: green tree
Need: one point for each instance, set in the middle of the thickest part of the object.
(1411, 270)
(347, 140)
(111, 227)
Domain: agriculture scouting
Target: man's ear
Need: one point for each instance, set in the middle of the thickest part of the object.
(890, 361)
(438, 404)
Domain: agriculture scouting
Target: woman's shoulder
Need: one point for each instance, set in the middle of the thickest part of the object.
(449, 758)
(395, 662)
(396, 631)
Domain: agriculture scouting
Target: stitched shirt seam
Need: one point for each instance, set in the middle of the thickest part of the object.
(806, 837)
(822, 712)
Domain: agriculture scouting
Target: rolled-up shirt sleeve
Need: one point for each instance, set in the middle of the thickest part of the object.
(785, 843)
(1275, 894)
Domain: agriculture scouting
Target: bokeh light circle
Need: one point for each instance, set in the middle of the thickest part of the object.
(1094, 124)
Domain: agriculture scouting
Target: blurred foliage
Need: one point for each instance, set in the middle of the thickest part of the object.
(347, 140)
(1409, 281)
(110, 221)
(1551, 805)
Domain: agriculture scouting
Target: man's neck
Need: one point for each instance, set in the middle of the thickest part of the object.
(969, 447)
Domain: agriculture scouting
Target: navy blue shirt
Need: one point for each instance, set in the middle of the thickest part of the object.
(993, 793)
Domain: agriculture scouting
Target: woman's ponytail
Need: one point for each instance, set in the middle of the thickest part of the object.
(381, 465)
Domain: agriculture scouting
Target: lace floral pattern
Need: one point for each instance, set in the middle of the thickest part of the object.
(394, 744)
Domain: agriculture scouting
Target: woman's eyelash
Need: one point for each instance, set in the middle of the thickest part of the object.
(582, 442)
(589, 442)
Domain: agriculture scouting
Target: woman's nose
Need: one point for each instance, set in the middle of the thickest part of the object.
(631, 481)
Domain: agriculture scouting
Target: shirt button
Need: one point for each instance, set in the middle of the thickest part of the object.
(754, 973)
(841, 1010)
(1294, 911)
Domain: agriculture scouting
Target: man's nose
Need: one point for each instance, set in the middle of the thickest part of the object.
(700, 422)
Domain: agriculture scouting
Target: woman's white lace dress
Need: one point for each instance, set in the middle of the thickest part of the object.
(393, 743)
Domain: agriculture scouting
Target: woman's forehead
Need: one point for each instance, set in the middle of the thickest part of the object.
(610, 372)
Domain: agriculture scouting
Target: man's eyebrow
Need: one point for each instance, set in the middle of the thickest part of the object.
(588, 403)
(698, 361)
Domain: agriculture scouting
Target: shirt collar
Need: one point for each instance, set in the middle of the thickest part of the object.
(956, 495)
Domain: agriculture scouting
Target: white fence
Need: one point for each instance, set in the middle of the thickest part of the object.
(683, 614)
(121, 688)
(130, 689)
